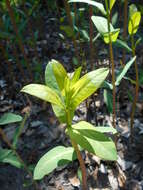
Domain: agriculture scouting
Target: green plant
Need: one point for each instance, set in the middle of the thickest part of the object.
(65, 94)
(108, 33)
(11, 155)
(133, 25)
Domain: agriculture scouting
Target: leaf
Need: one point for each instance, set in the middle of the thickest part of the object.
(114, 35)
(90, 2)
(87, 85)
(59, 73)
(123, 44)
(60, 113)
(107, 85)
(134, 22)
(132, 9)
(101, 24)
(50, 79)
(76, 76)
(124, 71)
(10, 118)
(100, 129)
(43, 92)
(106, 130)
(68, 30)
(108, 99)
(7, 156)
(112, 2)
(58, 156)
(93, 141)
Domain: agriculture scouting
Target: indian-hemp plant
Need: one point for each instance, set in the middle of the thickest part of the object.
(65, 93)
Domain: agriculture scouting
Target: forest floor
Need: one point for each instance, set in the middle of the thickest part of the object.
(42, 130)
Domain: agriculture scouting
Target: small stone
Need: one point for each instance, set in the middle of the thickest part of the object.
(103, 169)
(125, 165)
(36, 124)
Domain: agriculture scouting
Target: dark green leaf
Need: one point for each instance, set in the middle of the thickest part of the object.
(10, 118)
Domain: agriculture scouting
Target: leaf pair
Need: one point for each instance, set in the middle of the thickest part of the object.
(134, 20)
(93, 140)
(7, 156)
(101, 24)
(88, 137)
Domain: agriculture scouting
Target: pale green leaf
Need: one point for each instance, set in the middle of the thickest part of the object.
(106, 130)
(101, 129)
(112, 2)
(50, 79)
(114, 35)
(93, 141)
(134, 23)
(59, 73)
(132, 10)
(124, 71)
(7, 156)
(10, 118)
(58, 156)
(101, 24)
(87, 85)
(90, 2)
(76, 76)
(43, 92)
(60, 113)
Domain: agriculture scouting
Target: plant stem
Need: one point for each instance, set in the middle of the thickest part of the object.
(91, 38)
(11, 14)
(113, 66)
(67, 9)
(136, 88)
(79, 156)
(82, 165)
(125, 26)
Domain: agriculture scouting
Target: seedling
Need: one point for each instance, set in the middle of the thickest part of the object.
(133, 25)
(65, 93)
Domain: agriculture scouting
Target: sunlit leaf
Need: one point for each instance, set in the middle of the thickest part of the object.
(112, 2)
(43, 92)
(101, 129)
(90, 2)
(114, 35)
(132, 9)
(59, 73)
(93, 141)
(76, 76)
(58, 156)
(50, 79)
(101, 24)
(87, 85)
(134, 23)
(10, 118)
